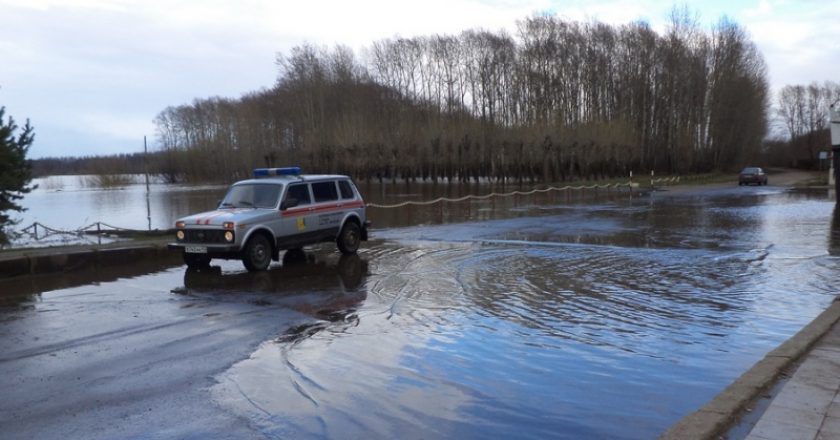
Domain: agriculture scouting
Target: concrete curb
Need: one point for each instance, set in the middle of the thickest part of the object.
(40, 261)
(716, 416)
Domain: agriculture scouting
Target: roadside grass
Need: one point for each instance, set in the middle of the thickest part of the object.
(644, 181)
(53, 183)
(710, 178)
(817, 179)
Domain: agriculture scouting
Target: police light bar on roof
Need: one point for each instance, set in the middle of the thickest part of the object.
(267, 172)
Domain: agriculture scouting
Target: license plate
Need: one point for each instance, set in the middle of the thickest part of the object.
(195, 249)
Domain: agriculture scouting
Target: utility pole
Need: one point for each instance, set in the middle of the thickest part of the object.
(146, 170)
(834, 111)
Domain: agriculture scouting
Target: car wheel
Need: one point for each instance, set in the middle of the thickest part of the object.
(196, 261)
(349, 238)
(257, 254)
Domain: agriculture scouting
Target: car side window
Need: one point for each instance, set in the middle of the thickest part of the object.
(346, 190)
(300, 192)
(324, 191)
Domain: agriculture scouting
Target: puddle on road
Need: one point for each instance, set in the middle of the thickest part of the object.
(599, 322)
(607, 318)
(28, 289)
(315, 284)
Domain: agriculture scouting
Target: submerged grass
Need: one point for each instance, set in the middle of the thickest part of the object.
(106, 181)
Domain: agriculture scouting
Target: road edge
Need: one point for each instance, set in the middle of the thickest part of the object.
(717, 415)
(40, 261)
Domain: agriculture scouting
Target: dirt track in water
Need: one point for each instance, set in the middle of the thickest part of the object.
(775, 177)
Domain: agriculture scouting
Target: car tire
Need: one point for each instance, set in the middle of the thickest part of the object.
(349, 238)
(196, 261)
(257, 253)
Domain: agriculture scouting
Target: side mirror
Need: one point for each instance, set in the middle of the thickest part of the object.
(291, 202)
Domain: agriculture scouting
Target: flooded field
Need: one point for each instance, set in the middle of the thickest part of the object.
(559, 316)
(72, 202)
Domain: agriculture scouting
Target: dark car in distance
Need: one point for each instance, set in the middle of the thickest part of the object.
(752, 175)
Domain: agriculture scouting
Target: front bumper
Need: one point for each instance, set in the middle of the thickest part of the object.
(213, 250)
(751, 179)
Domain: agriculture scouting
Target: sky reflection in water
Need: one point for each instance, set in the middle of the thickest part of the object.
(526, 328)
(564, 315)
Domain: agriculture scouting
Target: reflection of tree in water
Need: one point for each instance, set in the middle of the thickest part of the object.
(22, 291)
(18, 295)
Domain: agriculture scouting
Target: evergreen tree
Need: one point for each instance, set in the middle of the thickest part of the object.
(15, 171)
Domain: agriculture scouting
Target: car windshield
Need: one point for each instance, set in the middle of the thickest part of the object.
(750, 171)
(252, 196)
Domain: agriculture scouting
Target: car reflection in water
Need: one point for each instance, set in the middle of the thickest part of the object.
(326, 287)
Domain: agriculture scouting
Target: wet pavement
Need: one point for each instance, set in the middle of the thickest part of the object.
(600, 317)
(807, 406)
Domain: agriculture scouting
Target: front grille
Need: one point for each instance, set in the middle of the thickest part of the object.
(204, 236)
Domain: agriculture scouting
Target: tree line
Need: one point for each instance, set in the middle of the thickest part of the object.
(130, 163)
(803, 124)
(557, 100)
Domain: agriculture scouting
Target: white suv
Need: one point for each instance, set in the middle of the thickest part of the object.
(278, 209)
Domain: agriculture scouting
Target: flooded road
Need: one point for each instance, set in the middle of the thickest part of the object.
(605, 317)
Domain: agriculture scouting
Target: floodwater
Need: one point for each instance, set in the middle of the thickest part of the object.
(69, 203)
(607, 315)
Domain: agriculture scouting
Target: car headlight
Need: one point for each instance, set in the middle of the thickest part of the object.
(179, 235)
(229, 236)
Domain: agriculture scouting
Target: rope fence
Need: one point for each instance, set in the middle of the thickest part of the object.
(495, 194)
(38, 230)
(628, 184)
(675, 179)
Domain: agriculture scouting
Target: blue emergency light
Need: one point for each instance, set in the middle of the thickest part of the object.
(267, 172)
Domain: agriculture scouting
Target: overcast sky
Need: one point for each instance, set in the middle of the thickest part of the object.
(91, 75)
